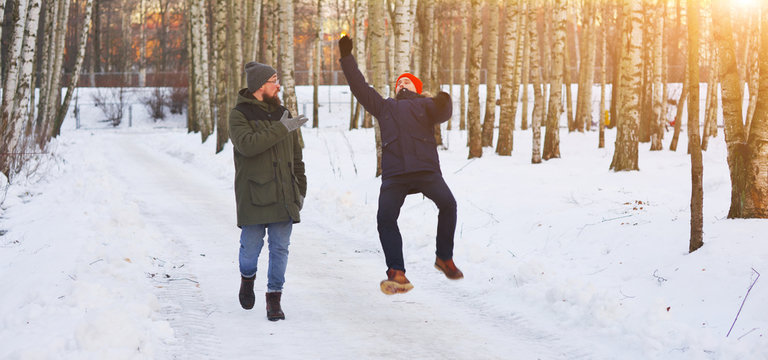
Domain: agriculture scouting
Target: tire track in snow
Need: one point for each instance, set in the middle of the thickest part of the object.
(160, 183)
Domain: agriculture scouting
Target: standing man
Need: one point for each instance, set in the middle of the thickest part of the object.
(270, 184)
(409, 165)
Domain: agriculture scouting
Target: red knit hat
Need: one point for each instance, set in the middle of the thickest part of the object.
(416, 82)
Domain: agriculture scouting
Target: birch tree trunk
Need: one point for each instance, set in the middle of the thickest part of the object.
(403, 35)
(62, 111)
(538, 96)
(618, 52)
(268, 53)
(492, 64)
(143, 46)
(516, 20)
(603, 74)
(552, 135)
(754, 70)
(475, 52)
(14, 134)
(462, 66)
(451, 57)
(222, 73)
(2, 16)
(237, 79)
(694, 142)
(8, 124)
(625, 153)
(683, 45)
(586, 70)
(252, 29)
(360, 18)
(377, 12)
(435, 66)
(567, 75)
(203, 115)
(657, 123)
(526, 69)
(317, 54)
(747, 151)
(49, 59)
(287, 79)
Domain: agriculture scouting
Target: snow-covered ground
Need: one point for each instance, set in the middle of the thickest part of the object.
(122, 244)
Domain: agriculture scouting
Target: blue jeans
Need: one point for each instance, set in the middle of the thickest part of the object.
(251, 242)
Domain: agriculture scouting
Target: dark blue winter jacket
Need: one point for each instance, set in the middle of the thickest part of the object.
(407, 124)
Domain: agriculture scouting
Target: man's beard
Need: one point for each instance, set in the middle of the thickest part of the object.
(274, 100)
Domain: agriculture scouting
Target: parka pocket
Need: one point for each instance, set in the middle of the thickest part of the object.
(425, 148)
(263, 191)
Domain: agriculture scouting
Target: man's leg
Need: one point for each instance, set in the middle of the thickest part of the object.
(251, 242)
(391, 198)
(279, 239)
(437, 190)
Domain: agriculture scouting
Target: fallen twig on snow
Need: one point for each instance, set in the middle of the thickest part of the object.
(743, 301)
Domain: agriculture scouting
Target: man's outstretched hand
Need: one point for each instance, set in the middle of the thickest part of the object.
(345, 46)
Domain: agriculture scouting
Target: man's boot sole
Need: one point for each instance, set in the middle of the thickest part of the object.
(390, 287)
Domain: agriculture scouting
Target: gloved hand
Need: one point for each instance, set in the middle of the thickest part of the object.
(292, 123)
(345, 46)
(301, 202)
(442, 99)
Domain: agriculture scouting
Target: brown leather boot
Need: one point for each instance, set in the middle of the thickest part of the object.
(247, 298)
(448, 268)
(274, 312)
(396, 283)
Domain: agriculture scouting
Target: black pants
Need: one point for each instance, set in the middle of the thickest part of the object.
(391, 197)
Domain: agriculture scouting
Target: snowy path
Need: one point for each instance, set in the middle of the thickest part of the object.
(332, 302)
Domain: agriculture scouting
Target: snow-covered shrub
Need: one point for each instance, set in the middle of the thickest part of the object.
(111, 103)
(155, 103)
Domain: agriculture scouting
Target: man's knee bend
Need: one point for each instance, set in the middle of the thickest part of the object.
(448, 206)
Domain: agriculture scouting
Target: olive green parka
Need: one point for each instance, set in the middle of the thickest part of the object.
(270, 183)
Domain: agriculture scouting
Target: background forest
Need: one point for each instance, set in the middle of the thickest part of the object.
(558, 53)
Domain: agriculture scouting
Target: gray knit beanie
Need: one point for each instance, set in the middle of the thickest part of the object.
(257, 74)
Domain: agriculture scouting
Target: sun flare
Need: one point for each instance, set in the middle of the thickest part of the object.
(746, 3)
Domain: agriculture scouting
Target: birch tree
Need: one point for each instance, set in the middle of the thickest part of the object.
(317, 54)
(222, 73)
(747, 153)
(657, 124)
(552, 135)
(62, 112)
(492, 64)
(587, 69)
(252, 31)
(603, 73)
(360, 18)
(462, 65)
(625, 153)
(511, 76)
(56, 59)
(202, 115)
(9, 127)
(526, 69)
(287, 81)
(694, 141)
(538, 97)
(143, 45)
(403, 35)
(377, 36)
(473, 113)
